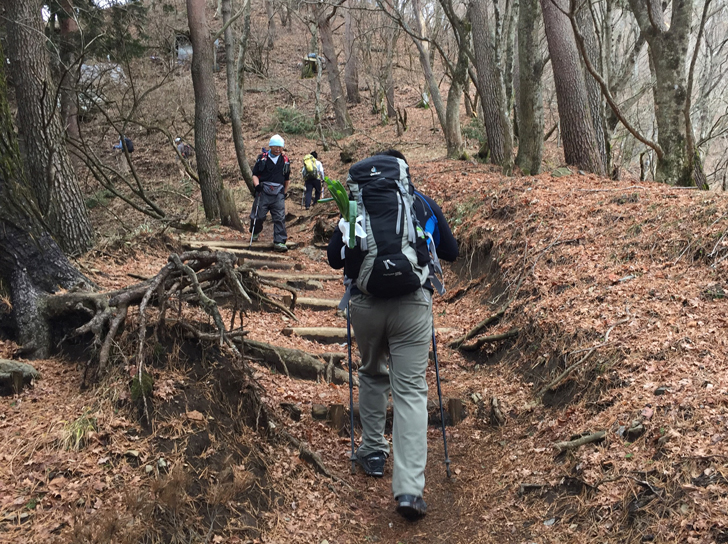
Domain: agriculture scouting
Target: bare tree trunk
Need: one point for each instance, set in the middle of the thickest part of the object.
(70, 69)
(453, 133)
(596, 101)
(235, 94)
(392, 34)
(492, 92)
(240, 74)
(423, 50)
(343, 121)
(270, 13)
(351, 70)
(215, 198)
(49, 166)
(31, 263)
(668, 48)
(530, 100)
(580, 146)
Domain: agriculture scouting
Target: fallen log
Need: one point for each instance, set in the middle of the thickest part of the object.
(294, 363)
(332, 334)
(488, 340)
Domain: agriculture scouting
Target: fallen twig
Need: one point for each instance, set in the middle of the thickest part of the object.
(574, 444)
(488, 339)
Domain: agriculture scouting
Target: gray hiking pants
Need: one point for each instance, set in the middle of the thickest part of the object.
(276, 204)
(395, 333)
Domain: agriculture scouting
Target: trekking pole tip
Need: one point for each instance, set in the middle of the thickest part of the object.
(447, 468)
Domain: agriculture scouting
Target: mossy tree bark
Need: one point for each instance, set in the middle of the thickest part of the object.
(530, 99)
(49, 169)
(668, 49)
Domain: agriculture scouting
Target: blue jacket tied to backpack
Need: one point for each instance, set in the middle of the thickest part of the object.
(397, 254)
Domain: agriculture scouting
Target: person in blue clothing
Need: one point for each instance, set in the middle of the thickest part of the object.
(393, 336)
(271, 175)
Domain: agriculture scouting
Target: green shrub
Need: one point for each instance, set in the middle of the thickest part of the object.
(291, 121)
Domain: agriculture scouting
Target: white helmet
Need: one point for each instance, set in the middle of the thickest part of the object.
(276, 141)
(177, 140)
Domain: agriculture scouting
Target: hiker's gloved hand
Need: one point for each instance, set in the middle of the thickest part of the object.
(258, 188)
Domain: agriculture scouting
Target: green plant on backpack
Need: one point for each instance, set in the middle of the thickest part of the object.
(347, 208)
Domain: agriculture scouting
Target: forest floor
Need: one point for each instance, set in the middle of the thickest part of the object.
(615, 292)
(626, 281)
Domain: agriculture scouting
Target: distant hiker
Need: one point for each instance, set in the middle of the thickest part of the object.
(186, 152)
(124, 142)
(271, 175)
(391, 286)
(313, 176)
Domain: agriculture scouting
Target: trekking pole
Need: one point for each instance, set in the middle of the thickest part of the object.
(351, 389)
(439, 394)
(254, 220)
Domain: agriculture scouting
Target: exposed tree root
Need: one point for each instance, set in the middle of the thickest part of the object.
(197, 278)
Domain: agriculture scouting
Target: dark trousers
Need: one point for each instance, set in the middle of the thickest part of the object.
(311, 186)
(276, 204)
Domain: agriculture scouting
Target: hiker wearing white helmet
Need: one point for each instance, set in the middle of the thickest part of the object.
(271, 175)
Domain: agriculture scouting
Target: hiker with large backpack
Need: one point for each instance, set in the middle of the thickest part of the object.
(390, 283)
(185, 152)
(312, 173)
(271, 175)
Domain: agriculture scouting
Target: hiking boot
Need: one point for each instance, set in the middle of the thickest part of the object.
(279, 246)
(255, 237)
(410, 507)
(373, 464)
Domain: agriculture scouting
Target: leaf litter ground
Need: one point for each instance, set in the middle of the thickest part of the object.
(634, 276)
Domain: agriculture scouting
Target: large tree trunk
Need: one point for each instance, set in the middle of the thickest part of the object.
(351, 70)
(596, 101)
(31, 263)
(580, 145)
(235, 93)
(343, 121)
(70, 69)
(530, 100)
(492, 91)
(668, 48)
(215, 198)
(49, 166)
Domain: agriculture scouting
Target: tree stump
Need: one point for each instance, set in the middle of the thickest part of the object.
(319, 412)
(337, 418)
(456, 410)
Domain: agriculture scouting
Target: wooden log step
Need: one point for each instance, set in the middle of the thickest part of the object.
(250, 254)
(278, 265)
(337, 415)
(320, 304)
(233, 244)
(332, 334)
(279, 276)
